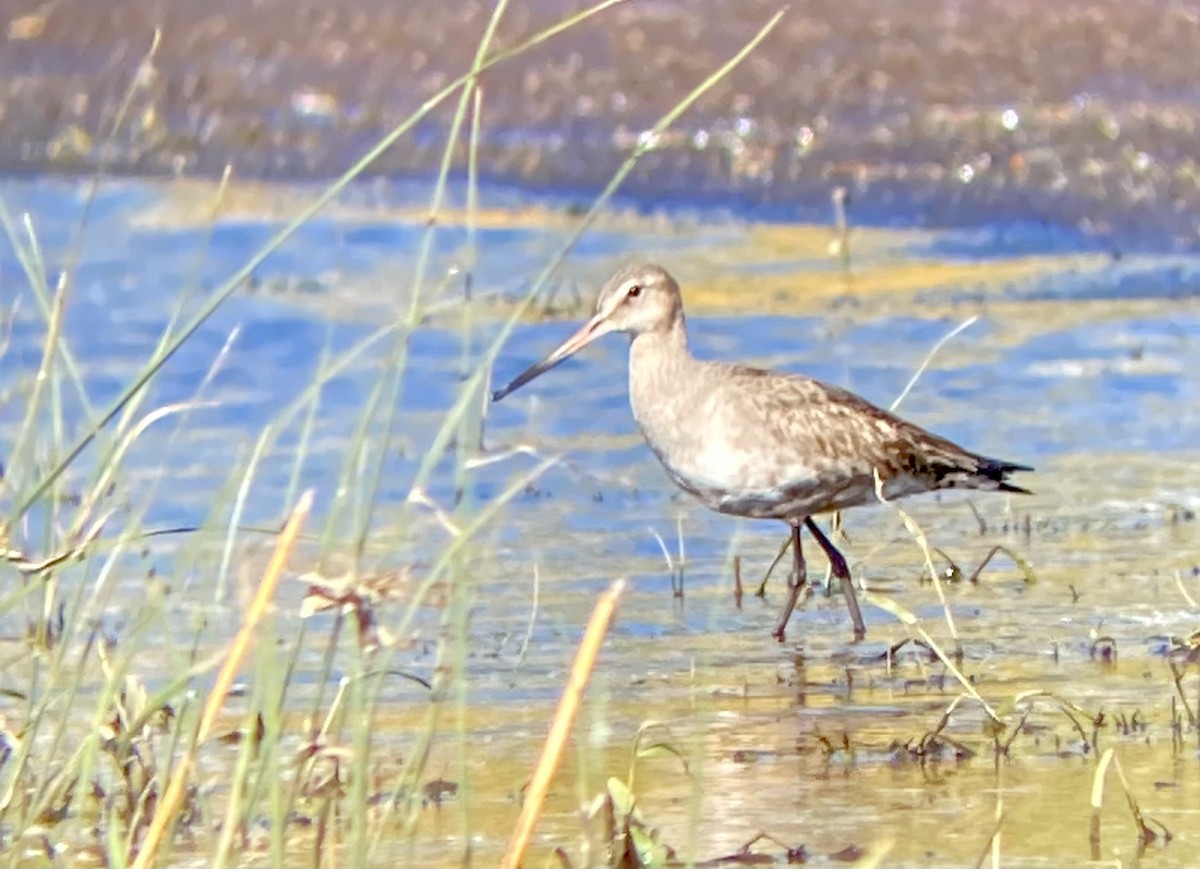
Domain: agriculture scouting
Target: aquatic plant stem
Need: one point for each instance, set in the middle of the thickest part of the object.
(167, 810)
(560, 728)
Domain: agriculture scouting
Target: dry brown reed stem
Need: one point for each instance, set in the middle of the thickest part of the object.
(167, 809)
(560, 728)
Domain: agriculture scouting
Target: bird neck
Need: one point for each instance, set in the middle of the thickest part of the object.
(659, 363)
(661, 350)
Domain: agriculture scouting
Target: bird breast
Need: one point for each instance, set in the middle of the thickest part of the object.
(717, 442)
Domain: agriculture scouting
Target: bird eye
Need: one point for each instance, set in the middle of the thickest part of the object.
(635, 291)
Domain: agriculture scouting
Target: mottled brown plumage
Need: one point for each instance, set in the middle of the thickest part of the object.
(763, 444)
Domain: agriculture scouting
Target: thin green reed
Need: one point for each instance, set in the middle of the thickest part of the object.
(397, 363)
(54, 304)
(470, 435)
(471, 392)
(33, 267)
(235, 281)
(472, 388)
(392, 396)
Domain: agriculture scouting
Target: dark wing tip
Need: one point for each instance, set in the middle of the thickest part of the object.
(998, 470)
(1013, 467)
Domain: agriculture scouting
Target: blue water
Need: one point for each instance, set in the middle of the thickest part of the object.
(1105, 385)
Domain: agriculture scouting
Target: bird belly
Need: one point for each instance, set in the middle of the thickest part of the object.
(796, 496)
(736, 487)
(793, 502)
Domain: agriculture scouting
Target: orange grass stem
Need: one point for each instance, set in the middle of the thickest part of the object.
(167, 809)
(564, 718)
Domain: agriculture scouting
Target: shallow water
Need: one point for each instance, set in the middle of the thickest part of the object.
(1081, 365)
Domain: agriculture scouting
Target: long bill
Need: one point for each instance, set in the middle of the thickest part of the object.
(589, 332)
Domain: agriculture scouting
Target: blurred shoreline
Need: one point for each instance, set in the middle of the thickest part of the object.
(929, 112)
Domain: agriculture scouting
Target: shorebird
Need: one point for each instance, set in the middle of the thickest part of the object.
(764, 444)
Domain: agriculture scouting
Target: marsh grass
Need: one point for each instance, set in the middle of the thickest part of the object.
(106, 760)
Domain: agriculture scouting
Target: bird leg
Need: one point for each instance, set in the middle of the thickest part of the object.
(838, 566)
(796, 582)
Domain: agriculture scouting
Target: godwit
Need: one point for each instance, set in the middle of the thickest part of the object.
(763, 444)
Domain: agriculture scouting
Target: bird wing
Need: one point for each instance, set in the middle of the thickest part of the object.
(815, 429)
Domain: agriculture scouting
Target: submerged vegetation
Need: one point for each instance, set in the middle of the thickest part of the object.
(339, 721)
